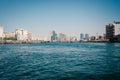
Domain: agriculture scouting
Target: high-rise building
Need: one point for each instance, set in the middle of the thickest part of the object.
(116, 28)
(113, 31)
(1, 33)
(109, 31)
(53, 36)
(81, 36)
(86, 36)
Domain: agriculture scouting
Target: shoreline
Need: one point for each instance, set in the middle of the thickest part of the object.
(25, 42)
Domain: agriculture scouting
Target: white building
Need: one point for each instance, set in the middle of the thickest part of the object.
(21, 34)
(1, 33)
(116, 28)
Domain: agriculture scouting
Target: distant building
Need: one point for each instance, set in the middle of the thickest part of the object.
(23, 35)
(116, 28)
(9, 36)
(104, 36)
(92, 38)
(39, 39)
(113, 31)
(1, 33)
(73, 39)
(81, 36)
(62, 37)
(53, 36)
(29, 37)
(86, 36)
(110, 31)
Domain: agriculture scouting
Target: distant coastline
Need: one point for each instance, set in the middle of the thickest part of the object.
(24, 42)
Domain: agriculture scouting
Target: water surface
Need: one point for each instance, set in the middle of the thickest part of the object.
(60, 61)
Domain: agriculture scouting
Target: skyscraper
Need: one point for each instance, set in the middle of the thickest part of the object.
(81, 36)
(86, 36)
(53, 36)
(113, 31)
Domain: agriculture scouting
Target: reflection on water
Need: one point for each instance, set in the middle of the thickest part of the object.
(60, 61)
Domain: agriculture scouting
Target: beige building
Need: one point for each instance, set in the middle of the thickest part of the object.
(66, 38)
(62, 37)
(9, 36)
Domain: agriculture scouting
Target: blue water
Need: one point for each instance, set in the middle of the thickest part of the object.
(60, 61)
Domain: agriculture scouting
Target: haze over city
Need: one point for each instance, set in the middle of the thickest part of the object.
(71, 17)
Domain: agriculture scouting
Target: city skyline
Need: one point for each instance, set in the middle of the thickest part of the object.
(71, 17)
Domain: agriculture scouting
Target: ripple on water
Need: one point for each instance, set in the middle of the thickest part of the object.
(58, 61)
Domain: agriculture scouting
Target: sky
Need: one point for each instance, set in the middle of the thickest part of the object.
(70, 17)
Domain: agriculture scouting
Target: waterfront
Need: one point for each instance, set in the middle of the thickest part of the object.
(60, 61)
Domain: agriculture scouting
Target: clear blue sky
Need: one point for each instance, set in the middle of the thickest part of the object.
(71, 17)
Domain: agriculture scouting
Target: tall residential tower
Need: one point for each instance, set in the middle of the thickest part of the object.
(113, 31)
